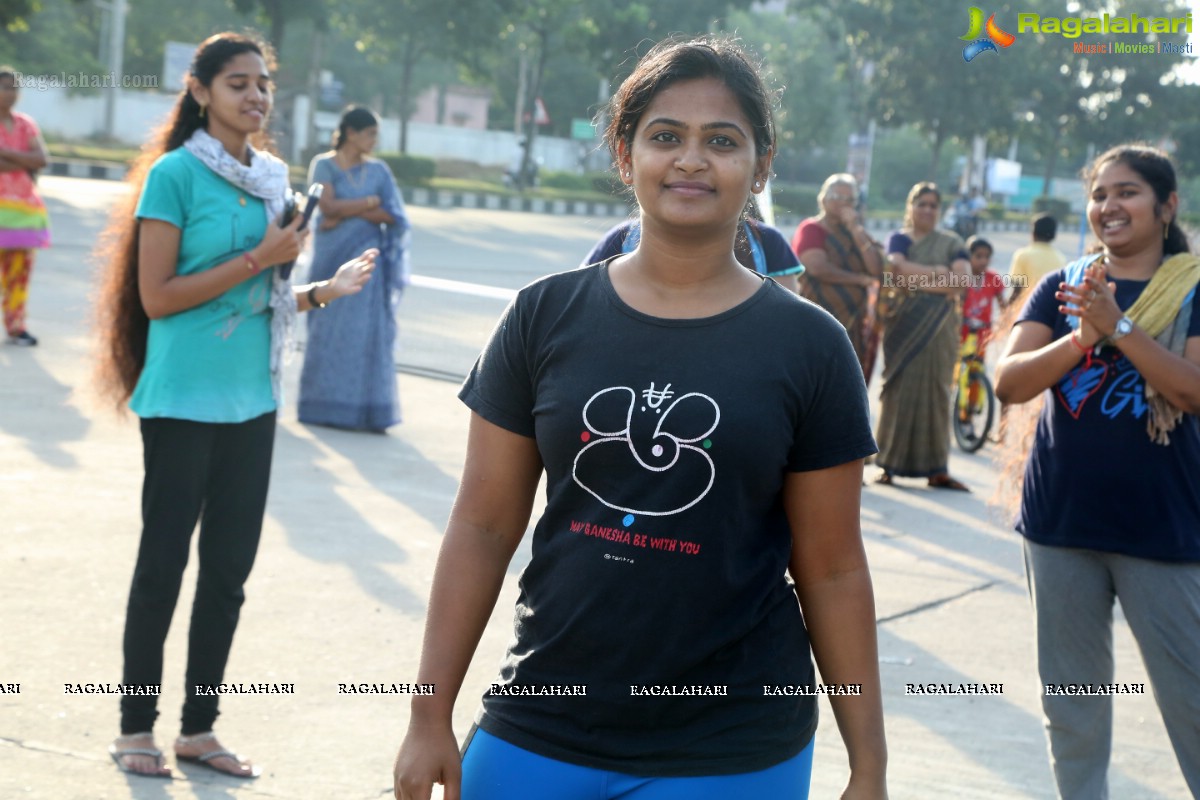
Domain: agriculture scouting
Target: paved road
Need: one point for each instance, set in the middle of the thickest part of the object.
(352, 530)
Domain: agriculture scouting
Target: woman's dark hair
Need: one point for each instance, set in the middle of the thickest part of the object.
(355, 119)
(977, 243)
(8, 72)
(121, 321)
(672, 61)
(915, 194)
(1154, 167)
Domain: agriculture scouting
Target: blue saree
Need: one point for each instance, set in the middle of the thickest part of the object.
(349, 374)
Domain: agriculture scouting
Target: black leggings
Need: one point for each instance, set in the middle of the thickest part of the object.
(217, 473)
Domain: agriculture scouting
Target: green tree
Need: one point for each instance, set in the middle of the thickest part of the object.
(58, 36)
(1072, 99)
(610, 37)
(277, 14)
(806, 62)
(401, 36)
(628, 30)
(13, 14)
(541, 29)
(147, 29)
(918, 74)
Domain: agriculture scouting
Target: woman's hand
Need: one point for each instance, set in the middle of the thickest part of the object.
(353, 275)
(428, 755)
(861, 787)
(848, 216)
(1094, 303)
(280, 245)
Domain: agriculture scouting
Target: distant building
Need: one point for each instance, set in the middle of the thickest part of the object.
(457, 106)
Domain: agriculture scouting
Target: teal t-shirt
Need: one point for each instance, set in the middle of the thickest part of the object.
(211, 363)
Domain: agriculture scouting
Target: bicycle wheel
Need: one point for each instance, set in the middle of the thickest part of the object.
(971, 429)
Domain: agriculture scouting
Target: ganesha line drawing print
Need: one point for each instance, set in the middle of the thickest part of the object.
(642, 458)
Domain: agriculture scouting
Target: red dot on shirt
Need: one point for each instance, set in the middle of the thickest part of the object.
(585, 436)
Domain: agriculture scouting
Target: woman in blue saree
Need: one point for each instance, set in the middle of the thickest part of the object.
(349, 375)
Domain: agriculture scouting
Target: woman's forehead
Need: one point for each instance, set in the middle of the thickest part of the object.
(250, 65)
(696, 100)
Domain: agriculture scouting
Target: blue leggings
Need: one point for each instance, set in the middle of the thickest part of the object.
(493, 769)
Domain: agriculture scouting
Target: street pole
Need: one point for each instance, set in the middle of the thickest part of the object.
(116, 62)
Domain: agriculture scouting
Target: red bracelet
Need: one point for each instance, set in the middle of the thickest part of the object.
(1087, 351)
(251, 264)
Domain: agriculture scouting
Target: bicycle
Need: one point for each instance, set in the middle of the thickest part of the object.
(974, 401)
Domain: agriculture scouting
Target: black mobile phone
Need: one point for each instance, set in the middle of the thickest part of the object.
(290, 205)
(314, 197)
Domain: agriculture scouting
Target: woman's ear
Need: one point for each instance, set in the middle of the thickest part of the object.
(198, 91)
(762, 170)
(624, 163)
(1171, 207)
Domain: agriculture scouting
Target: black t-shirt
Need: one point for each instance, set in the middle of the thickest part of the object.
(1094, 477)
(661, 558)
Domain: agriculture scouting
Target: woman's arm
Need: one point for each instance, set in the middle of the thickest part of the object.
(833, 583)
(1175, 378)
(936, 279)
(336, 209)
(872, 253)
(380, 216)
(165, 292)
(33, 158)
(816, 265)
(348, 280)
(489, 517)
(1032, 363)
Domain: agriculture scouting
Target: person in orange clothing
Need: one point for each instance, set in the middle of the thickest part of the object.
(24, 224)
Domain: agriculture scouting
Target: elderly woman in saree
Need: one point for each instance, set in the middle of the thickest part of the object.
(349, 375)
(842, 264)
(927, 270)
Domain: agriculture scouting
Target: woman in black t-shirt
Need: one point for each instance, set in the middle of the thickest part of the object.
(659, 649)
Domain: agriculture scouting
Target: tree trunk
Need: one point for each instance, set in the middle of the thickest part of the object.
(314, 93)
(408, 63)
(528, 166)
(278, 17)
(938, 140)
(1051, 161)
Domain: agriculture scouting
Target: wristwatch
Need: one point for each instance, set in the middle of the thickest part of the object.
(1124, 328)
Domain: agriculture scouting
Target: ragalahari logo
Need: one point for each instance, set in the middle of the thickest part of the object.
(979, 44)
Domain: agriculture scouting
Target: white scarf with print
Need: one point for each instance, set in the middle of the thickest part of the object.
(265, 177)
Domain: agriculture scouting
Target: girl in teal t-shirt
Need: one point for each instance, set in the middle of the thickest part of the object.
(194, 316)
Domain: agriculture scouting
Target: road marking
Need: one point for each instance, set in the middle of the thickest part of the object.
(463, 287)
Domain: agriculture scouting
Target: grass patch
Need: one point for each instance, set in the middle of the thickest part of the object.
(93, 152)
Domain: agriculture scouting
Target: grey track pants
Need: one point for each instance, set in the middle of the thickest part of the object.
(1073, 592)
